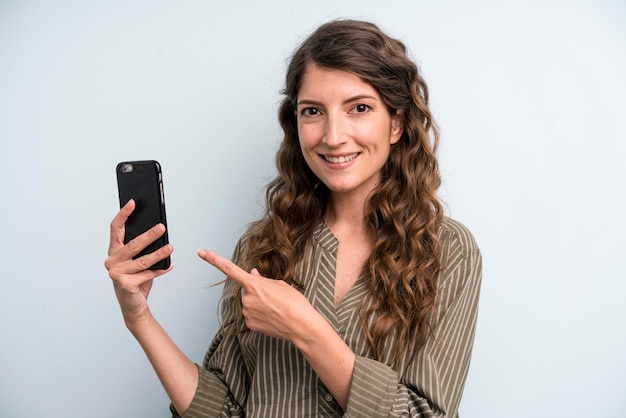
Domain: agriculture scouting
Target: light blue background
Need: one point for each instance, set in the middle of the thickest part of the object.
(530, 99)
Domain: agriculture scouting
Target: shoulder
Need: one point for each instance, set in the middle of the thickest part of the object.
(454, 235)
(243, 243)
(459, 249)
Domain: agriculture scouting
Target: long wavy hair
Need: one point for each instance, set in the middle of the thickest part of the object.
(403, 213)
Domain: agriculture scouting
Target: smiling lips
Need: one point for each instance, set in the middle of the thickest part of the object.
(340, 159)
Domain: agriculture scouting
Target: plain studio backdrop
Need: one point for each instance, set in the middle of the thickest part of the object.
(530, 100)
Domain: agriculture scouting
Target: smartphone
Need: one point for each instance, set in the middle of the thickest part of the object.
(142, 181)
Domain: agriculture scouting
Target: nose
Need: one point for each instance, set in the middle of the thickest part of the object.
(334, 133)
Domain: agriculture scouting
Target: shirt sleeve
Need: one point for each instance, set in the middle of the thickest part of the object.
(432, 383)
(223, 381)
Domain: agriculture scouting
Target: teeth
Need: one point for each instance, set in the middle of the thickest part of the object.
(341, 159)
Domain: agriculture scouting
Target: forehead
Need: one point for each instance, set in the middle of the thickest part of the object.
(323, 81)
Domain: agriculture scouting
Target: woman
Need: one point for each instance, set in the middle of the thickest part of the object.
(354, 295)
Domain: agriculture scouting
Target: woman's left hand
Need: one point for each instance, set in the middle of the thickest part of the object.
(274, 308)
(271, 307)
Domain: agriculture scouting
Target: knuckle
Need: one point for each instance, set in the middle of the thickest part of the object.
(163, 252)
(253, 287)
(116, 224)
(113, 274)
(142, 263)
(227, 269)
(134, 246)
(155, 232)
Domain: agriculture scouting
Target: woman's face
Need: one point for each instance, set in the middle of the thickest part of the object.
(345, 130)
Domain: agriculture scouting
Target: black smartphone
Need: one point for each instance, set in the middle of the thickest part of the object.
(142, 181)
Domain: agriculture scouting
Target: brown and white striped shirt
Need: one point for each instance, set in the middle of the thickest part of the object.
(249, 374)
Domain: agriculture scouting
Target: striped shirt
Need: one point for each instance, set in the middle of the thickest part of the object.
(248, 374)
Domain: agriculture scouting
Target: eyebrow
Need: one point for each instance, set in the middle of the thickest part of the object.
(351, 99)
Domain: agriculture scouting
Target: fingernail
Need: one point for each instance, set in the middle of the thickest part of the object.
(202, 253)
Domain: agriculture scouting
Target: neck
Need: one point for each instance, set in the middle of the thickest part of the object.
(345, 214)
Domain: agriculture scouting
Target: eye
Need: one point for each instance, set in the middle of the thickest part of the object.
(310, 111)
(360, 108)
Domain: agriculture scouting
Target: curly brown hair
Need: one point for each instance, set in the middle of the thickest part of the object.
(403, 213)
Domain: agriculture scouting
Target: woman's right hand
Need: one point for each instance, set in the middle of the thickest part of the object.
(131, 278)
(132, 281)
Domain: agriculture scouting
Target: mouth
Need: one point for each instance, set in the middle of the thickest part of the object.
(340, 159)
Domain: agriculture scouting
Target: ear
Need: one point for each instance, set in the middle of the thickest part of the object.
(397, 127)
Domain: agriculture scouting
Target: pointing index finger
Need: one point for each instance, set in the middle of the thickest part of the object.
(230, 269)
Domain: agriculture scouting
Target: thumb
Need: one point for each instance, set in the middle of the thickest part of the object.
(255, 272)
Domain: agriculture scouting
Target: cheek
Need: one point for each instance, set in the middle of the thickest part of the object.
(306, 137)
(305, 148)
